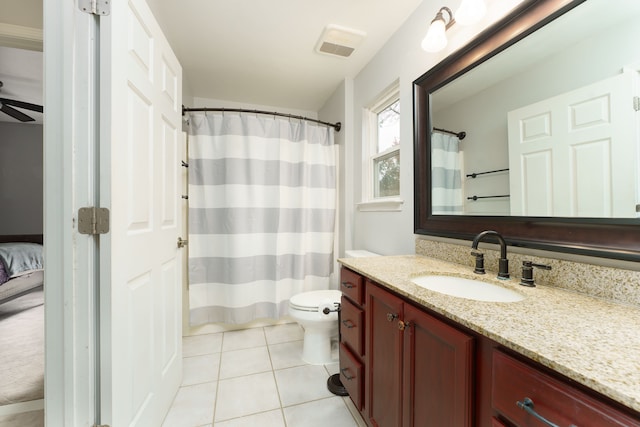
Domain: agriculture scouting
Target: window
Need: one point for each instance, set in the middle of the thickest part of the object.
(381, 150)
(386, 162)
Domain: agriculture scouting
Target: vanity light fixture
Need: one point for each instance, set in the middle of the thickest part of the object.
(436, 39)
(469, 13)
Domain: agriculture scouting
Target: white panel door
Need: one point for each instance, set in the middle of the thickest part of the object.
(141, 310)
(568, 153)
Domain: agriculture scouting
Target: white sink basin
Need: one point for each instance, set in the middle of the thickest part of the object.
(467, 288)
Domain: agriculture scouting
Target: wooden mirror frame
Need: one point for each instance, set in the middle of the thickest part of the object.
(600, 237)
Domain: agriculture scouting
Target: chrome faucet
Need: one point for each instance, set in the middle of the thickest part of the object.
(503, 262)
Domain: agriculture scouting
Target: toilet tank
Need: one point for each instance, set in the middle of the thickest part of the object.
(358, 253)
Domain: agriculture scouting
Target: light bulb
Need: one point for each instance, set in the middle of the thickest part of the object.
(470, 12)
(436, 39)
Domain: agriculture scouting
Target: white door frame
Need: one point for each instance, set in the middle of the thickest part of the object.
(70, 146)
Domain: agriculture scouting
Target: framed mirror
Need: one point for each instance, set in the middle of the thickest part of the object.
(548, 99)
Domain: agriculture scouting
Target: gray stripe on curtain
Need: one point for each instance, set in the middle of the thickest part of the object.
(446, 178)
(260, 220)
(216, 313)
(256, 268)
(260, 172)
(453, 208)
(262, 127)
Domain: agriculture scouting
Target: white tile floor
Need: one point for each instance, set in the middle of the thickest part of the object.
(255, 377)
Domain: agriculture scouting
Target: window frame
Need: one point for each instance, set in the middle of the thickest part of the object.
(370, 154)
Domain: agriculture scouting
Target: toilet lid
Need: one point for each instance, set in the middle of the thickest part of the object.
(311, 300)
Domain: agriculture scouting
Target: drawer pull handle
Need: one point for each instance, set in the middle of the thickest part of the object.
(527, 405)
(391, 317)
(347, 285)
(348, 324)
(403, 325)
(344, 371)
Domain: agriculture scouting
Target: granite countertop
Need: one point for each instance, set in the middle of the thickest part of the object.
(592, 341)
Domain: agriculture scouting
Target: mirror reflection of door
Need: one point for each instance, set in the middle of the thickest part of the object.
(569, 152)
(591, 44)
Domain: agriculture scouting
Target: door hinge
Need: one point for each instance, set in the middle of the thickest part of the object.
(95, 7)
(636, 103)
(93, 221)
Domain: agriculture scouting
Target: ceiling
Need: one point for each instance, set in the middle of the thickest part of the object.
(263, 52)
(21, 77)
(245, 51)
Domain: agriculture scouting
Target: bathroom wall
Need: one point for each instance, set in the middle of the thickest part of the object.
(335, 110)
(221, 103)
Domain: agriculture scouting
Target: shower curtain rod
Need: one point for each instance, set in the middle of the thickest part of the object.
(337, 126)
(460, 135)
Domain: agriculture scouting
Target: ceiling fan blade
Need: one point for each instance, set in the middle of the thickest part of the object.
(21, 104)
(15, 113)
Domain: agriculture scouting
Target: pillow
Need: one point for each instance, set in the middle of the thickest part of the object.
(3, 274)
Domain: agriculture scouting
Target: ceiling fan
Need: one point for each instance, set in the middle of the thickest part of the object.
(7, 107)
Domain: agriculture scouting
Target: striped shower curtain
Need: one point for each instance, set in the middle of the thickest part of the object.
(262, 196)
(446, 180)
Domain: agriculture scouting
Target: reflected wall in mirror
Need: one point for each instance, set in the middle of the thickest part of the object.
(546, 99)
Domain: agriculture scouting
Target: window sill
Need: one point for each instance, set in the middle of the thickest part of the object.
(383, 205)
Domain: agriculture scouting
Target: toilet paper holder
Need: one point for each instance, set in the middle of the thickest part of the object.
(326, 309)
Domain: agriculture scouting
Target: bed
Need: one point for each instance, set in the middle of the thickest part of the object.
(21, 331)
(21, 266)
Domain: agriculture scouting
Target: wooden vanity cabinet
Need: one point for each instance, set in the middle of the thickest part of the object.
(352, 348)
(553, 399)
(419, 369)
(404, 366)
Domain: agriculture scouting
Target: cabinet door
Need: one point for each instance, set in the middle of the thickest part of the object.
(384, 357)
(438, 372)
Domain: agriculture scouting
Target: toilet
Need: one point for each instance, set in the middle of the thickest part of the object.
(308, 309)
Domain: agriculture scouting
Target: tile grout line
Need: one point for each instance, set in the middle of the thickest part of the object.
(273, 373)
(215, 400)
(277, 386)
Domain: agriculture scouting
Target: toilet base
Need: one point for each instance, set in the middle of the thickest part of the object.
(316, 348)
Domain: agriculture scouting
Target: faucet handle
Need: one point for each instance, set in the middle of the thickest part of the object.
(527, 272)
(479, 269)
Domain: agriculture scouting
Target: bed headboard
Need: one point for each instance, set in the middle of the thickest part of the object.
(33, 238)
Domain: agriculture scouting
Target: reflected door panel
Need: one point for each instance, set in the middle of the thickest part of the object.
(568, 153)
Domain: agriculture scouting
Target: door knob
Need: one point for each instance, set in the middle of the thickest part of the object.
(182, 243)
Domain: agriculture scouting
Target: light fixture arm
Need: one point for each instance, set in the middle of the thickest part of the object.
(439, 17)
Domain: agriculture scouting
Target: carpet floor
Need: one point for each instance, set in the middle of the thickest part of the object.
(22, 349)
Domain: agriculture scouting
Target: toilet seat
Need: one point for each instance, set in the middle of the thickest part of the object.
(309, 301)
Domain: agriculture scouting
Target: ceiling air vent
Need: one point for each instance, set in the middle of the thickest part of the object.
(339, 41)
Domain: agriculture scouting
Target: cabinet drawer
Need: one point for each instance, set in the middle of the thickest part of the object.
(555, 400)
(497, 423)
(351, 375)
(352, 326)
(352, 285)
